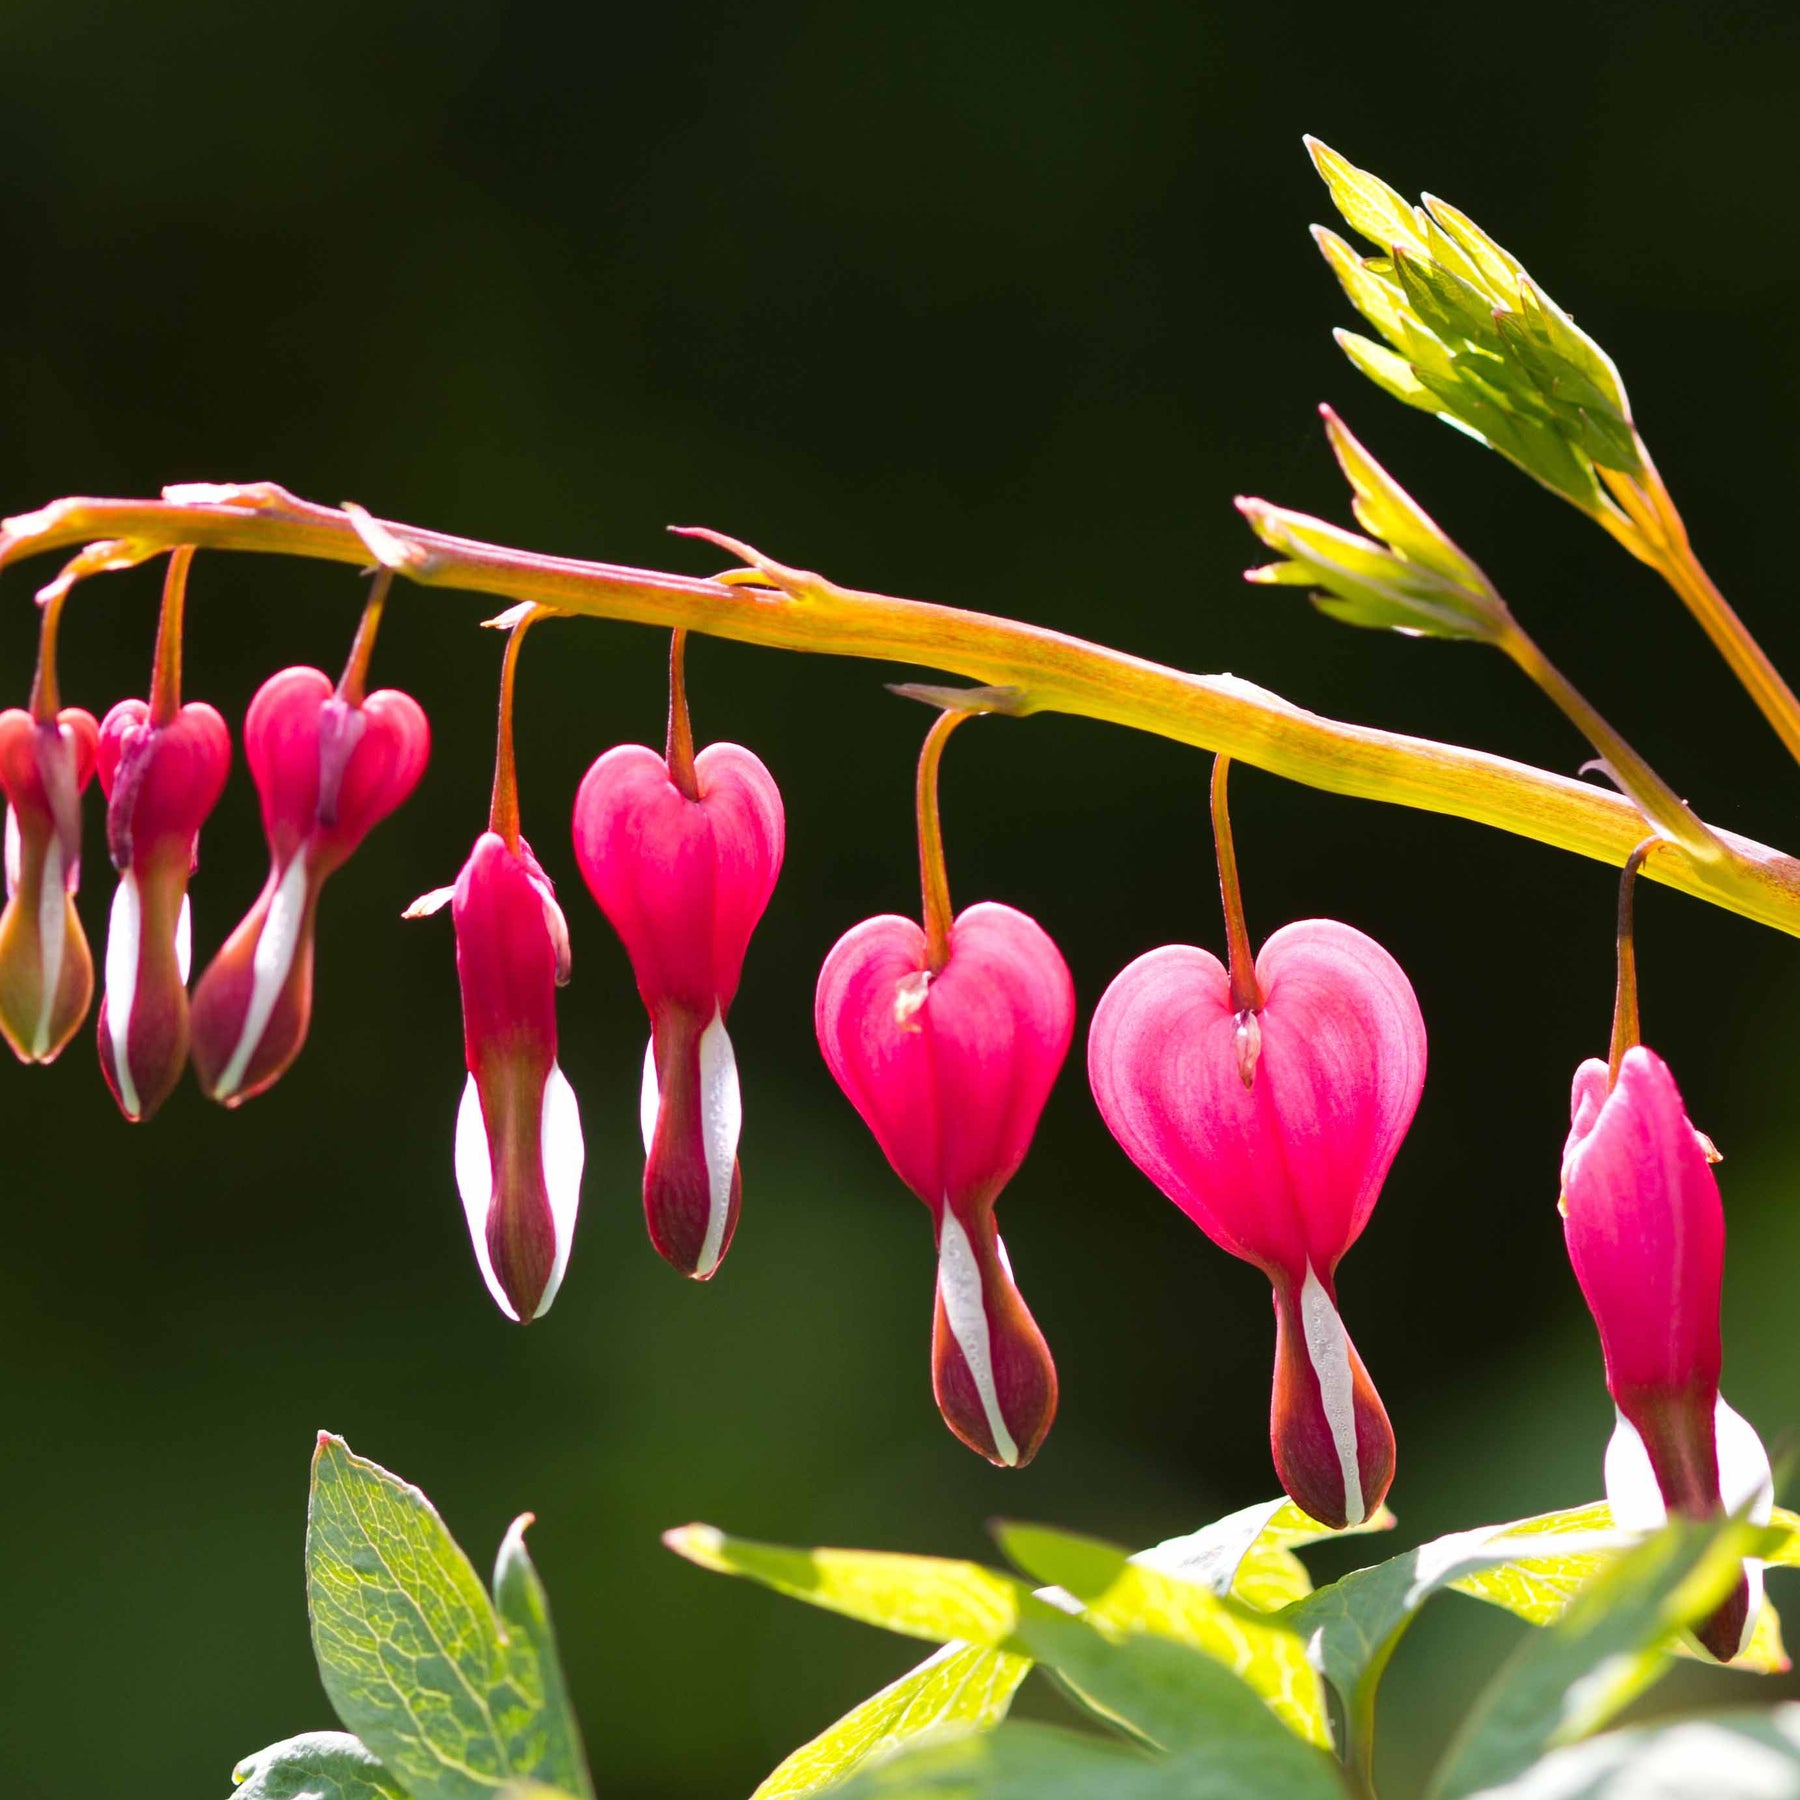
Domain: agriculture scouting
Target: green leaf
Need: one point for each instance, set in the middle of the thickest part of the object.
(457, 1697)
(1039, 1762)
(961, 1684)
(928, 1597)
(1124, 1595)
(1369, 206)
(317, 1765)
(1727, 1756)
(1569, 1680)
(1394, 375)
(1374, 294)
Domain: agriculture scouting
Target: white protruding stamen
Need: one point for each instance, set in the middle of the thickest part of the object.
(53, 929)
(269, 967)
(721, 1124)
(475, 1182)
(124, 931)
(1328, 1348)
(959, 1287)
(15, 851)
(184, 939)
(649, 1097)
(1745, 1482)
(563, 1153)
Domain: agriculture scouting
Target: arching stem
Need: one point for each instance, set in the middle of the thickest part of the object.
(165, 675)
(46, 696)
(680, 752)
(1625, 997)
(352, 687)
(934, 879)
(503, 813)
(1246, 993)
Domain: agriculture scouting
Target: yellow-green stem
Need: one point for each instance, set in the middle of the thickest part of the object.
(1052, 672)
(165, 675)
(1625, 996)
(934, 875)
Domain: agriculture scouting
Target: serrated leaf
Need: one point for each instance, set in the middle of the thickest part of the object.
(929, 1597)
(1369, 206)
(1728, 1756)
(1120, 1595)
(458, 1701)
(317, 1765)
(959, 1685)
(1569, 1680)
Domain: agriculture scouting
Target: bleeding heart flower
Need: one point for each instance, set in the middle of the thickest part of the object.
(1646, 1235)
(328, 766)
(947, 1040)
(162, 767)
(1268, 1105)
(681, 852)
(46, 969)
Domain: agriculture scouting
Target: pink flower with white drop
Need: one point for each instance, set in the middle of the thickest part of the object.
(162, 768)
(1268, 1101)
(681, 852)
(519, 1149)
(47, 758)
(1645, 1230)
(329, 765)
(947, 1039)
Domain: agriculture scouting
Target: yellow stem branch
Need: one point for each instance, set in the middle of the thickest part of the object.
(1051, 671)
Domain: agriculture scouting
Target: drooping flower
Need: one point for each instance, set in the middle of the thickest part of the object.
(162, 767)
(681, 852)
(329, 765)
(1645, 1230)
(1268, 1101)
(519, 1149)
(947, 1039)
(47, 759)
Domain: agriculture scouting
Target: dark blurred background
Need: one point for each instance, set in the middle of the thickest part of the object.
(994, 304)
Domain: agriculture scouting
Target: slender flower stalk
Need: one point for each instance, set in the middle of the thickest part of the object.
(790, 609)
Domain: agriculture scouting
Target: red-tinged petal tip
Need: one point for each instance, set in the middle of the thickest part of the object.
(991, 1369)
(1332, 1443)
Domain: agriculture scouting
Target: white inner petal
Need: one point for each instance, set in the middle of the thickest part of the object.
(1744, 1473)
(563, 1154)
(959, 1287)
(124, 931)
(649, 1096)
(15, 851)
(53, 926)
(1328, 1347)
(184, 939)
(1631, 1491)
(721, 1124)
(475, 1182)
(269, 966)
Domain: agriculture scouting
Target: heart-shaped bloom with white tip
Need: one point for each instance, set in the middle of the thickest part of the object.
(684, 882)
(46, 968)
(1645, 1230)
(950, 1070)
(518, 1131)
(1273, 1131)
(327, 773)
(160, 782)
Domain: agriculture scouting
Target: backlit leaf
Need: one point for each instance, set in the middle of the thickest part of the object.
(318, 1765)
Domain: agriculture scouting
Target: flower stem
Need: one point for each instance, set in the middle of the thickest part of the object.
(46, 696)
(1246, 991)
(1051, 671)
(503, 812)
(1625, 996)
(165, 675)
(934, 878)
(351, 686)
(680, 752)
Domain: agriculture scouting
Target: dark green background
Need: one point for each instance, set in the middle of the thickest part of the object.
(996, 304)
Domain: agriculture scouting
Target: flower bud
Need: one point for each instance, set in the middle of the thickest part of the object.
(1645, 1230)
(951, 1070)
(684, 881)
(46, 969)
(327, 771)
(1278, 1158)
(519, 1148)
(160, 781)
